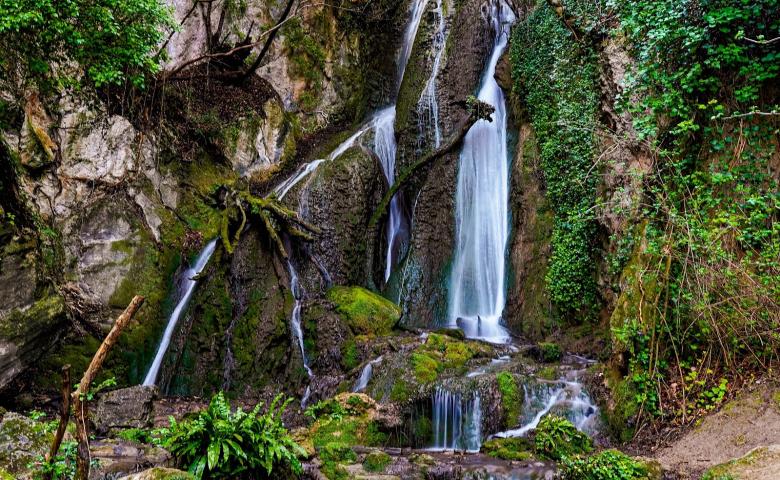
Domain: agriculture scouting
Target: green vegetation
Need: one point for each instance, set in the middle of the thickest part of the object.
(442, 353)
(509, 448)
(556, 438)
(556, 78)
(376, 461)
(365, 312)
(111, 42)
(550, 352)
(606, 465)
(511, 398)
(218, 443)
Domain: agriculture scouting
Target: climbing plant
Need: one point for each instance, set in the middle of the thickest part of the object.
(555, 76)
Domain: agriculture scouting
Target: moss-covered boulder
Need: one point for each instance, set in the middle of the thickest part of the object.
(22, 442)
(365, 312)
(509, 448)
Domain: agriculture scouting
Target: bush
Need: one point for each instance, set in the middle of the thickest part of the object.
(218, 443)
(550, 352)
(607, 465)
(556, 438)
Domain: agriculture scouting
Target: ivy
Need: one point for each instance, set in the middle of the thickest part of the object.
(556, 77)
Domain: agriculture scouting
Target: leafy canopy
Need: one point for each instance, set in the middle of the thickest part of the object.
(218, 443)
(110, 40)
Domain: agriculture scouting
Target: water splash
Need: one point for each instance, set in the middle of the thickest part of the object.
(477, 283)
(365, 375)
(565, 397)
(187, 288)
(457, 421)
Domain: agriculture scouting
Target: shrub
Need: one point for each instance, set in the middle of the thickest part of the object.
(218, 443)
(550, 352)
(556, 438)
(607, 465)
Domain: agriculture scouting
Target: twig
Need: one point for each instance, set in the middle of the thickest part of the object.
(64, 416)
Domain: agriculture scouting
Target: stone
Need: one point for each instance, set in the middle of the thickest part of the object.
(159, 473)
(22, 441)
(125, 408)
(761, 463)
(117, 457)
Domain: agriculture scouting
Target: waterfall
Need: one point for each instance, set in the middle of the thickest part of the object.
(187, 288)
(428, 106)
(565, 397)
(365, 375)
(477, 290)
(457, 421)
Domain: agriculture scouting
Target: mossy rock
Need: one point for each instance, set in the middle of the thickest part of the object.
(511, 398)
(376, 461)
(365, 312)
(550, 352)
(508, 448)
(22, 441)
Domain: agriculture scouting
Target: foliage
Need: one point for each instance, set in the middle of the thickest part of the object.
(63, 465)
(556, 77)
(110, 41)
(376, 461)
(606, 465)
(511, 399)
(329, 407)
(556, 438)
(706, 59)
(218, 443)
(551, 352)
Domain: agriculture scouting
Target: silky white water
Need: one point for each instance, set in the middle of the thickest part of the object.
(565, 397)
(477, 290)
(428, 105)
(456, 422)
(365, 375)
(187, 288)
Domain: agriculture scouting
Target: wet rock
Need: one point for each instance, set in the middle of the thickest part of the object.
(22, 441)
(117, 457)
(159, 473)
(125, 408)
(258, 142)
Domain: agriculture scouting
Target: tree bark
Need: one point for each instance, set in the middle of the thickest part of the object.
(79, 397)
(479, 111)
(64, 416)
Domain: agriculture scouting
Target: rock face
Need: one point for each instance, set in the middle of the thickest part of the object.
(421, 279)
(125, 408)
(160, 473)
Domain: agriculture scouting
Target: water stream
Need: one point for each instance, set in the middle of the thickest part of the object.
(428, 105)
(477, 282)
(456, 422)
(187, 287)
(365, 375)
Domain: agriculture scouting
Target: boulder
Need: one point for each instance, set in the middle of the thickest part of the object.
(761, 463)
(118, 457)
(125, 408)
(22, 441)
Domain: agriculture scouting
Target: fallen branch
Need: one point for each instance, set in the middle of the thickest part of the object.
(477, 111)
(79, 397)
(63, 425)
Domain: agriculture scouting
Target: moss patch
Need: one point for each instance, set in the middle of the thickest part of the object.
(365, 312)
(376, 461)
(511, 400)
(508, 448)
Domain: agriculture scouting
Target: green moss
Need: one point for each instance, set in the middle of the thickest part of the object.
(556, 438)
(365, 312)
(776, 399)
(376, 461)
(621, 417)
(349, 355)
(509, 448)
(401, 392)
(426, 369)
(547, 373)
(511, 400)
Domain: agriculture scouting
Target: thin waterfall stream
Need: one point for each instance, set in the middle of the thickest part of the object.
(187, 288)
(477, 282)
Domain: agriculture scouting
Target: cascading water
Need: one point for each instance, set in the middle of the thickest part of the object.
(457, 421)
(428, 106)
(365, 375)
(565, 397)
(187, 288)
(477, 290)
(295, 323)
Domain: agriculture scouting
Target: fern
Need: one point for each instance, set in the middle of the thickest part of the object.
(220, 443)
